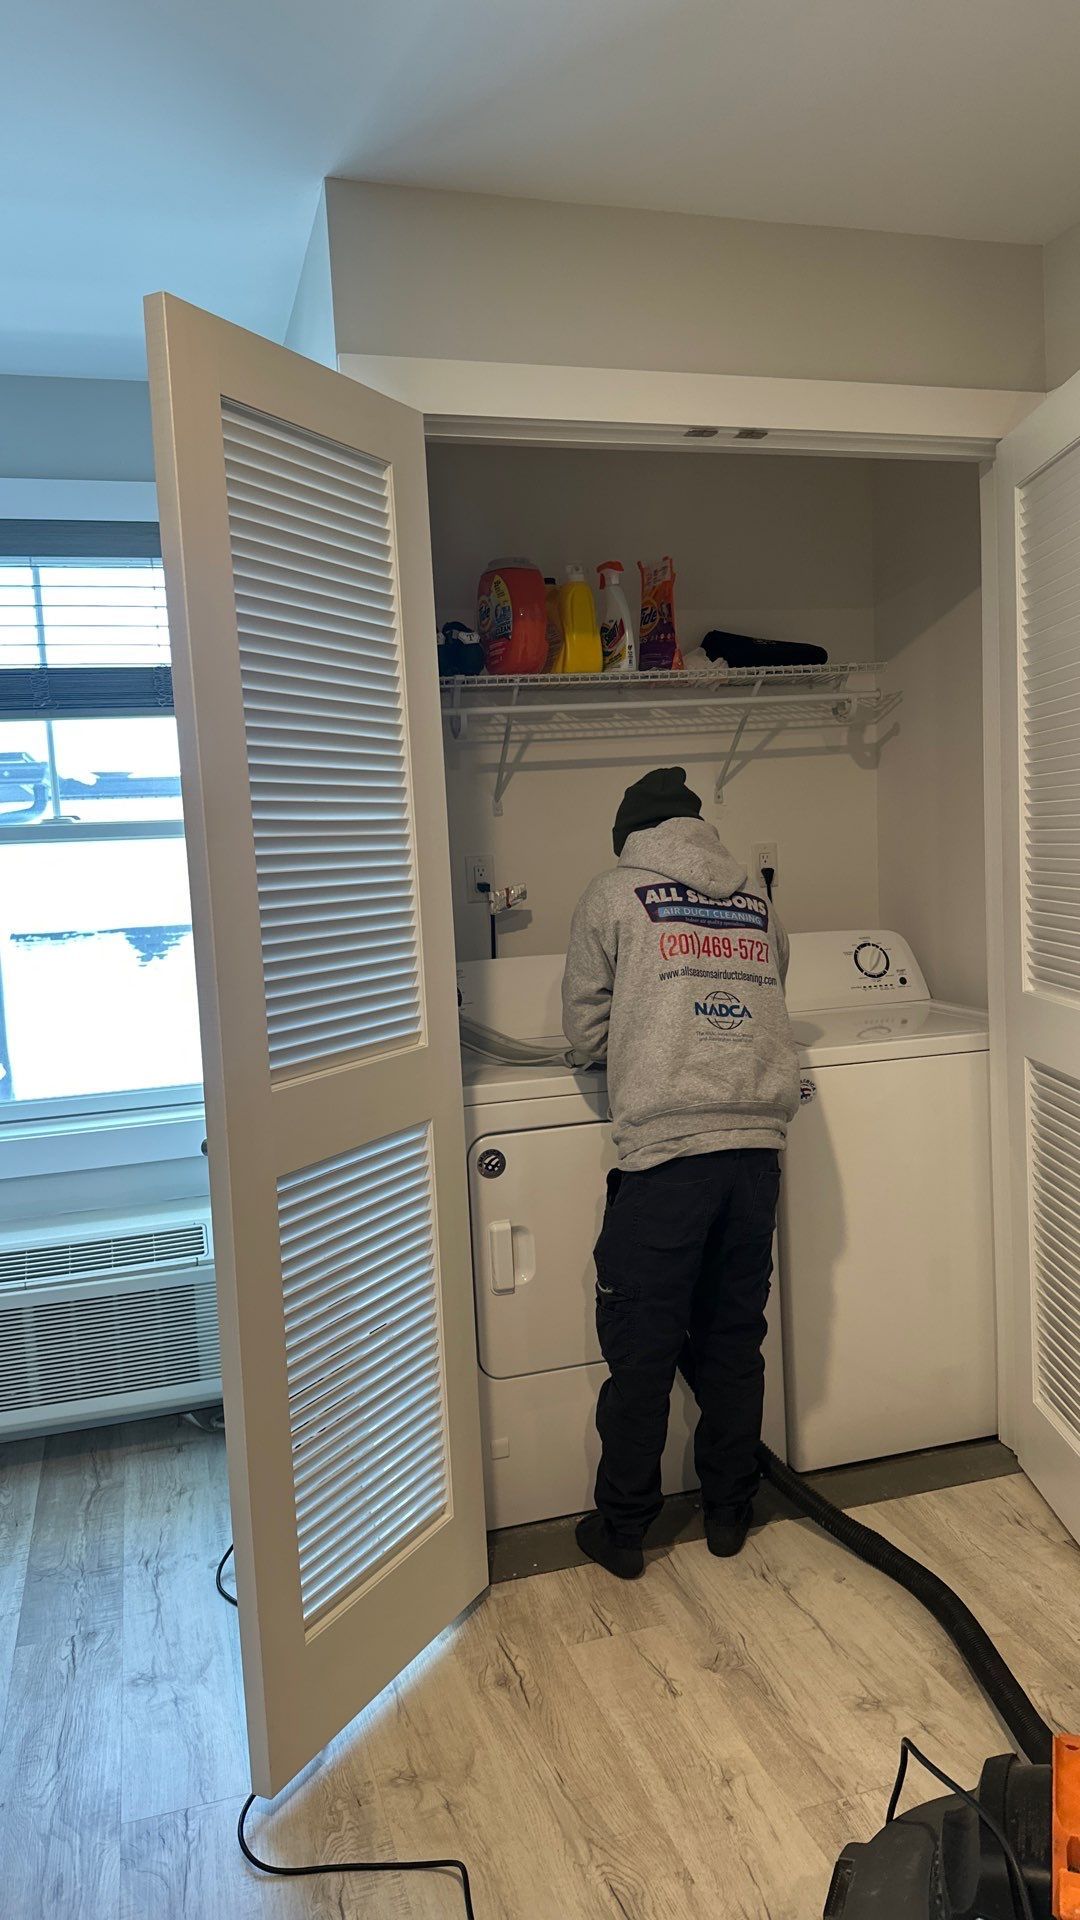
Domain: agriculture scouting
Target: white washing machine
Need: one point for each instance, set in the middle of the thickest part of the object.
(539, 1149)
(886, 1255)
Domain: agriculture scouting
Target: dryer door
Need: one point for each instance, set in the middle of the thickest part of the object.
(537, 1201)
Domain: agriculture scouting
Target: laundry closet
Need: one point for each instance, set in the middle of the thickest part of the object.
(864, 780)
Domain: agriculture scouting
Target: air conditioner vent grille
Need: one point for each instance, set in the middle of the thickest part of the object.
(53, 1352)
(162, 1246)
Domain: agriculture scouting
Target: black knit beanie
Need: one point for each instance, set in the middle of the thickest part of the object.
(660, 795)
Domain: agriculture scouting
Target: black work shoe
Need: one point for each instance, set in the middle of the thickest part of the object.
(595, 1539)
(726, 1532)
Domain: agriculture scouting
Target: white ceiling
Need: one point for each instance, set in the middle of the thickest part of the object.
(147, 144)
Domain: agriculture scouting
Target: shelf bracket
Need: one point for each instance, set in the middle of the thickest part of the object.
(457, 717)
(502, 777)
(725, 772)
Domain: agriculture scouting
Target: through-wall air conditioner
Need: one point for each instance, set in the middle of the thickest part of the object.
(107, 1319)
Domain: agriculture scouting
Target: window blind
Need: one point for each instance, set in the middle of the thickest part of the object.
(82, 632)
(81, 539)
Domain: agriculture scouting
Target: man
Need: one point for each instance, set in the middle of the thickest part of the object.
(674, 978)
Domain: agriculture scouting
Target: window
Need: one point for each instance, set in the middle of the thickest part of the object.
(97, 986)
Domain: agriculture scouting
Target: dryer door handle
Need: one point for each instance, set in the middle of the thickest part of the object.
(501, 1256)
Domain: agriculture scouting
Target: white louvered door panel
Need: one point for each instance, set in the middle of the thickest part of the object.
(1054, 1124)
(295, 538)
(357, 1256)
(1048, 519)
(1033, 803)
(317, 620)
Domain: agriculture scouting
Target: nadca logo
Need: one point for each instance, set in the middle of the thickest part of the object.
(725, 1013)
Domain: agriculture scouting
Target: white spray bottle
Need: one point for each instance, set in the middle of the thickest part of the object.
(616, 627)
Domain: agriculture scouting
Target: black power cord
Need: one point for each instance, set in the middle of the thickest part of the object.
(908, 1750)
(354, 1866)
(219, 1583)
(483, 888)
(336, 1866)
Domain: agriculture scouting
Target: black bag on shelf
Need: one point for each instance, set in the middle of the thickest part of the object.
(741, 650)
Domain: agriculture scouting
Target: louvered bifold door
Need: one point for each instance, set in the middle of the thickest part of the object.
(295, 539)
(1033, 799)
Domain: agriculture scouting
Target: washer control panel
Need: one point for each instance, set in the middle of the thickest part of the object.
(850, 968)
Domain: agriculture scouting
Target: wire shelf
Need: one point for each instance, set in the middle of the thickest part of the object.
(494, 708)
(831, 674)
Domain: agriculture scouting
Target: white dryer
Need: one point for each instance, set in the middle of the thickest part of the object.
(539, 1149)
(886, 1253)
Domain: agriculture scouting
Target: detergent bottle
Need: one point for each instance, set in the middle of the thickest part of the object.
(616, 626)
(511, 617)
(580, 651)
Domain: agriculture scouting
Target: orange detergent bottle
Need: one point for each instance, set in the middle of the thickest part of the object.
(511, 617)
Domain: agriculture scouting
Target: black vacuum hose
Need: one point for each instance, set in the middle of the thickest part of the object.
(1003, 1690)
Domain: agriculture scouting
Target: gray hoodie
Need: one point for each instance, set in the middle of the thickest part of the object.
(674, 977)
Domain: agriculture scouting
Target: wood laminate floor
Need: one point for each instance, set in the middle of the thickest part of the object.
(698, 1744)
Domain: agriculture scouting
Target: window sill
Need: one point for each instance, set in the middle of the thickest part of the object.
(75, 1143)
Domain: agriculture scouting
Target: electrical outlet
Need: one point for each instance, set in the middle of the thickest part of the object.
(479, 875)
(763, 855)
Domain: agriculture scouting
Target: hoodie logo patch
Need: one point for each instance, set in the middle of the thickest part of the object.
(723, 1011)
(673, 901)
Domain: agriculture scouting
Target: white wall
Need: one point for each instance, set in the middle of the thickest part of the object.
(930, 784)
(311, 324)
(1061, 292)
(74, 429)
(480, 277)
(769, 544)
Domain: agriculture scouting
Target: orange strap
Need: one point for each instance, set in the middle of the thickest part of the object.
(1066, 1827)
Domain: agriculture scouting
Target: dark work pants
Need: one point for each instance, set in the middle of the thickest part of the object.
(682, 1278)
